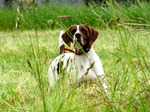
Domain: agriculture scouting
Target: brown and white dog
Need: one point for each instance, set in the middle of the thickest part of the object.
(82, 64)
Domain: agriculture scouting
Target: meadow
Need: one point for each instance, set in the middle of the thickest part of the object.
(27, 51)
(25, 61)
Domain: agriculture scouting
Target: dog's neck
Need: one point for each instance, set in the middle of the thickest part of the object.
(89, 53)
(85, 49)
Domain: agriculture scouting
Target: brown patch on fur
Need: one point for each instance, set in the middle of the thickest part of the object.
(93, 34)
(68, 35)
(62, 49)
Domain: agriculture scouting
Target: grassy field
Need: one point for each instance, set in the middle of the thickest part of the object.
(25, 57)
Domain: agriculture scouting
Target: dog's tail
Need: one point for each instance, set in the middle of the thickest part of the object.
(61, 43)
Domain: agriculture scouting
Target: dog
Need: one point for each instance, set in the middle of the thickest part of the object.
(82, 64)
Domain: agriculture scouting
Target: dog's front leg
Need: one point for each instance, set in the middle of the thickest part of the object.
(53, 78)
(101, 77)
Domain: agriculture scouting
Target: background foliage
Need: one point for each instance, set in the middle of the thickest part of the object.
(52, 16)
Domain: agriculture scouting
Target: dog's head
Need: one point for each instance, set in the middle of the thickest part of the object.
(82, 36)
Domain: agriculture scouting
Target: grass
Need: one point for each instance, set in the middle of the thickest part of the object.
(25, 57)
(106, 15)
(28, 45)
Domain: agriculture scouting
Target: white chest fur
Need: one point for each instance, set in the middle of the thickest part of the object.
(88, 65)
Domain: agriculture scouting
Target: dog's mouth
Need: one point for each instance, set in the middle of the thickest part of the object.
(79, 47)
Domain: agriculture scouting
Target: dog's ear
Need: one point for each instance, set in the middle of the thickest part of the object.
(93, 34)
(67, 37)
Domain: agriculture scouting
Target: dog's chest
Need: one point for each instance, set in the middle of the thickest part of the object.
(84, 66)
(81, 62)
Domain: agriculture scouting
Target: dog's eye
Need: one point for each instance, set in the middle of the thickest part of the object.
(83, 31)
(73, 31)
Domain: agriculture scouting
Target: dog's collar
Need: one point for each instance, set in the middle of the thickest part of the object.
(79, 52)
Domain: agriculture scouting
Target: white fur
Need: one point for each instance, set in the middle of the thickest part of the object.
(61, 42)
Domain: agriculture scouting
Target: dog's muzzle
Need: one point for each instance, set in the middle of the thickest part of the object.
(78, 37)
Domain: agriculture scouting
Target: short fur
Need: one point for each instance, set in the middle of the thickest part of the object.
(82, 65)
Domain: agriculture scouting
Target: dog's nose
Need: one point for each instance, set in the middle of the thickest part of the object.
(78, 35)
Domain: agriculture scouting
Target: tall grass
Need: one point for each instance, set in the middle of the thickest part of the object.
(25, 83)
(25, 58)
(102, 16)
